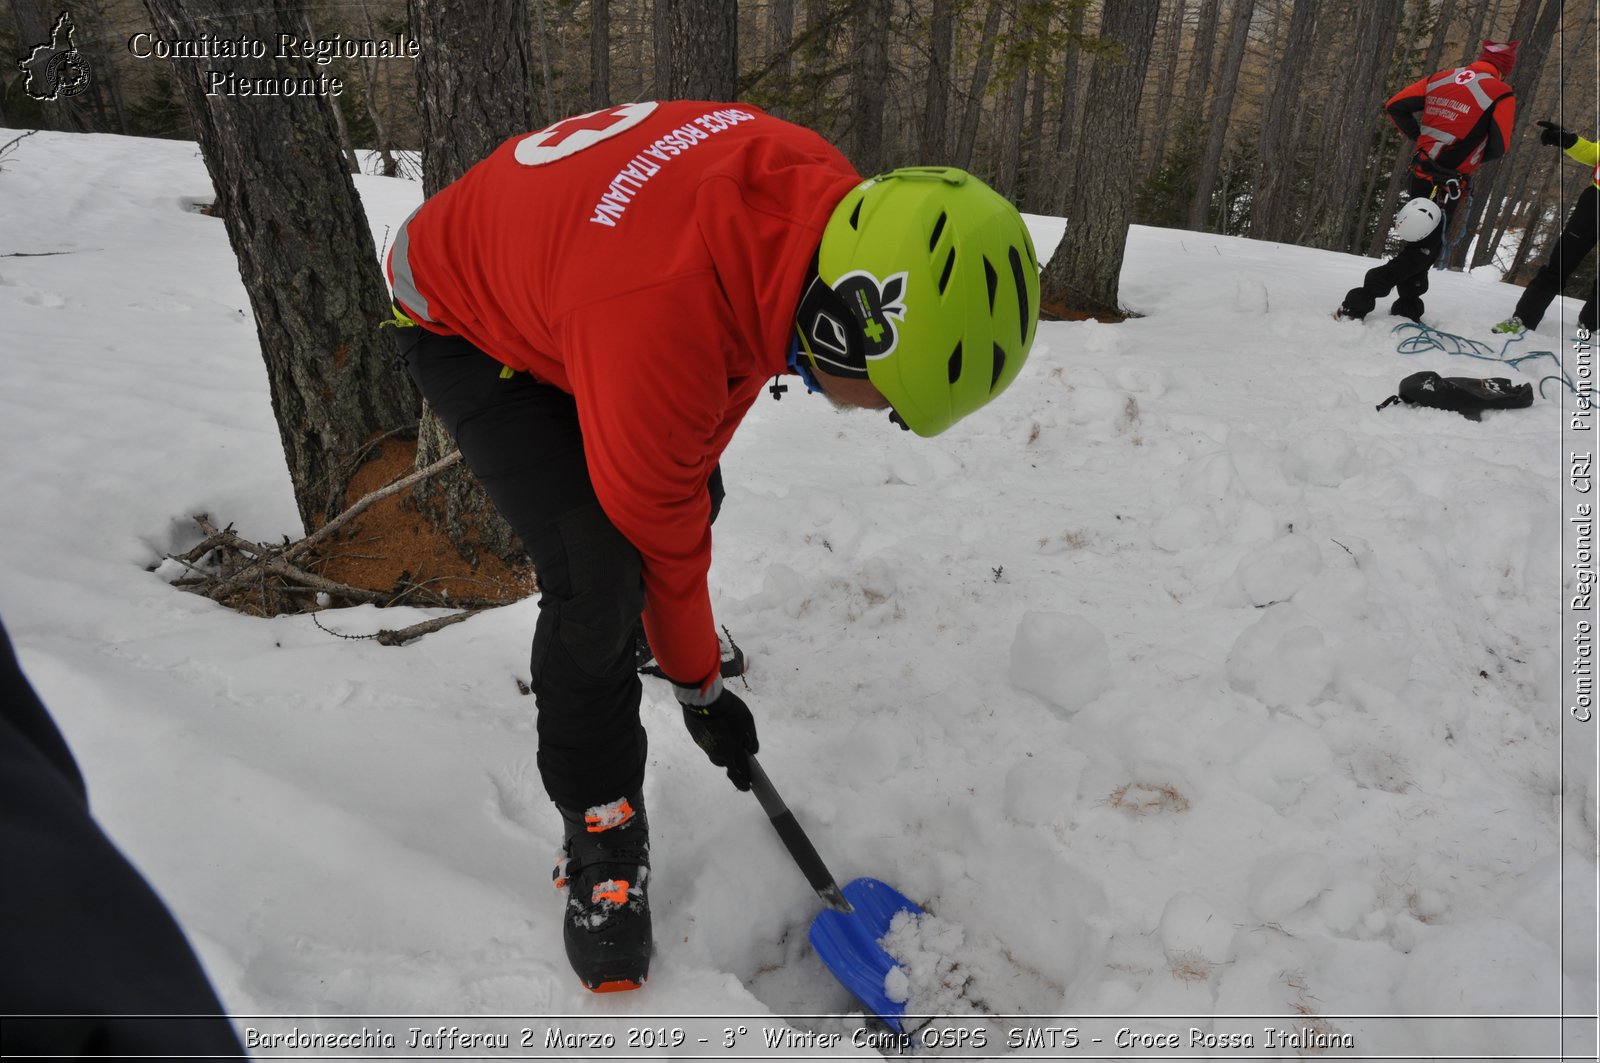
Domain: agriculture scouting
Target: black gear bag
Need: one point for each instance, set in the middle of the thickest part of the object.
(1468, 396)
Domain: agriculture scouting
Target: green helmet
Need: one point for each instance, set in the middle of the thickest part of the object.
(939, 275)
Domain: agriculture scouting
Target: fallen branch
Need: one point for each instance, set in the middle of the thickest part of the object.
(371, 498)
(273, 578)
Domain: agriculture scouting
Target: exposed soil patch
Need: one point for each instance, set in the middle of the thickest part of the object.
(392, 547)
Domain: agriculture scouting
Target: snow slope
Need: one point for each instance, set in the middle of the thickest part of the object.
(1183, 685)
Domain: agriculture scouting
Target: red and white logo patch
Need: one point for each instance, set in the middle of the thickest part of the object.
(1465, 76)
(571, 135)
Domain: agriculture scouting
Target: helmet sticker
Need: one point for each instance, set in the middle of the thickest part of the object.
(829, 333)
(877, 305)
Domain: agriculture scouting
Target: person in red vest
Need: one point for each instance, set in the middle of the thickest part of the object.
(1572, 247)
(591, 311)
(1459, 118)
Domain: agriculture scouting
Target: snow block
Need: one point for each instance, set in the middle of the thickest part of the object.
(1275, 572)
(1282, 884)
(1282, 659)
(1063, 659)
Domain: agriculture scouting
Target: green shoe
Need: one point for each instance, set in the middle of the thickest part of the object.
(1511, 326)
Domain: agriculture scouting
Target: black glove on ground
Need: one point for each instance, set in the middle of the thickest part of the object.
(1556, 136)
(727, 732)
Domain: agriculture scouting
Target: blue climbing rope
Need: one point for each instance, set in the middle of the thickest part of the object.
(1426, 338)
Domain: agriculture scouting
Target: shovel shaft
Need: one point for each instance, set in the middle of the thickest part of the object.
(795, 840)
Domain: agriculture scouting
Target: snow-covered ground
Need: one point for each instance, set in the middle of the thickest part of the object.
(1180, 685)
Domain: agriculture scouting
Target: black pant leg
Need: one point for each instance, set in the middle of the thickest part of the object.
(85, 937)
(1577, 239)
(522, 440)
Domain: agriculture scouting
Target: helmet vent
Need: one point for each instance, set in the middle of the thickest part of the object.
(1022, 292)
(949, 267)
(938, 229)
(999, 367)
(855, 215)
(955, 364)
(992, 279)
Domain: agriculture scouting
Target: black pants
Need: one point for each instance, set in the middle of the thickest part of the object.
(1406, 274)
(521, 439)
(1574, 244)
(85, 937)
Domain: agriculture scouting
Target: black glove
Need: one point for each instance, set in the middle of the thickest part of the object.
(1556, 136)
(727, 732)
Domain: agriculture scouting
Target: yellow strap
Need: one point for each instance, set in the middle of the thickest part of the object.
(506, 372)
(399, 320)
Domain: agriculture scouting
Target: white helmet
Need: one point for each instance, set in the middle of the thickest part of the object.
(1417, 220)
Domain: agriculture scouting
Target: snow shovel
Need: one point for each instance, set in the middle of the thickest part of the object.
(846, 935)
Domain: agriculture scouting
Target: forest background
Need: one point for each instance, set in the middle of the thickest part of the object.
(1258, 118)
(1253, 118)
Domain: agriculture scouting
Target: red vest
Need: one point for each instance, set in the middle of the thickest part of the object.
(648, 259)
(1459, 117)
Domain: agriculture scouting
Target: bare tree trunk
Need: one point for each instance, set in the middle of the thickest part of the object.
(459, 53)
(662, 46)
(979, 86)
(781, 47)
(1168, 79)
(703, 42)
(305, 254)
(1083, 275)
(599, 54)
(1200, 57)
(1270, 209)
(1034, 190)
(351, 160)
(543, 115)
(1538, 29)
(369, 78)
(869, 85)
(1221, 109)
(1068, 126)
(1009, 134)
(936, 87)
(460, 50)
(1348, 125)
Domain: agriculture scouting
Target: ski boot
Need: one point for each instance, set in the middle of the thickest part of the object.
(1511, 326)
(603, 868)
(1408, 307)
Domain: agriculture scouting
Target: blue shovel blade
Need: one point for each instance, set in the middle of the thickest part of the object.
(848, 943)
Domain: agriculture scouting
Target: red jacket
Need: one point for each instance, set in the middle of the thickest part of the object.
(1460, 117)
(648, 259)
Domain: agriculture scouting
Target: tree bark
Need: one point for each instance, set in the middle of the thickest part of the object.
(462, 50)
(1067, 129)
(979, 86)
(1221, 111)
(1168, 79)
(474, 87)
(305, 254)
(703, 44)
(1083, 275)
(936, 86)
(869, 85)
(1538, 32)
(599, 54)
(1271, 211)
